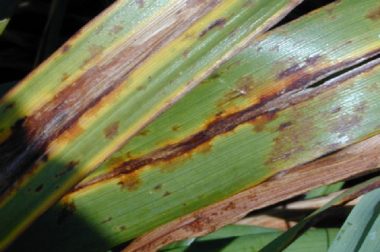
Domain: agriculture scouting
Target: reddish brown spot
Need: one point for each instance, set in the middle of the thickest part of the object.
(65, 48)
(144, 132)
(195, 226)
(39, 188)
(374, 14)
(215, 75)
(67, 169)
(185, 54)
(65, 76)
(347, 43)
(229, 207)
(244, 87)
(176, 127)
(330, 9)
(95, 50)
(8, 106)
(299, 68)
(291, 139)
(74, 131)
(261, 121)
(112, 130)
(217, 23)
(143, 87)
(130, 181)
(116, 29)
(284, 125)
(128, 155)
(31, 136)
(157, 187)
(224, 124)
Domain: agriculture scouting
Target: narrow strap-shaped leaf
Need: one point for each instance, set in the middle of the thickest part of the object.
(313, 241)
(360, 232)
(280, 62)
(371, 241)
(3, 24)
(360, 158)
(324, 190)
(233, 131)
(317, 240)
(6, 11)
(103, 86)
(280, 243)
(227, 232)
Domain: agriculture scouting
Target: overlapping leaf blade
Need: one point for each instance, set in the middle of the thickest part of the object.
(317, 240)
(164, 185)
(283, 241)
(360, 232)
(104, 85)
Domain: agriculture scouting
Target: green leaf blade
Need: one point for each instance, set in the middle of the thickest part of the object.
(360, 232)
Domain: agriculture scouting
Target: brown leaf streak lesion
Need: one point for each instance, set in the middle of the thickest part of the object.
(265, 110)
(31, 135)
(220, 22)
(298, 68)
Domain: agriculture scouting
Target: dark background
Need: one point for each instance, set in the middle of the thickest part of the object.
(38, 27)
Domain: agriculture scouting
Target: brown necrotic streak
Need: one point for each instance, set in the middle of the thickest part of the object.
(299, 67)
(31, 135)
(268, 107)
(217, 23)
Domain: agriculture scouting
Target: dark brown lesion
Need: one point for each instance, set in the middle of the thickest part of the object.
(67, 169)
(65, 47)
(299, 67)
(265, 110)
(176, 127)
(39, 188)
(31, 136)
(8, 106)
(64, 77)
(157, 187)
(116, 29)
(130, 182)
(17, 151)
(112, 130)
(374, 14)
(244, 88)
(217, 23)
(284, 126)
(302, 77)
(262, 121)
